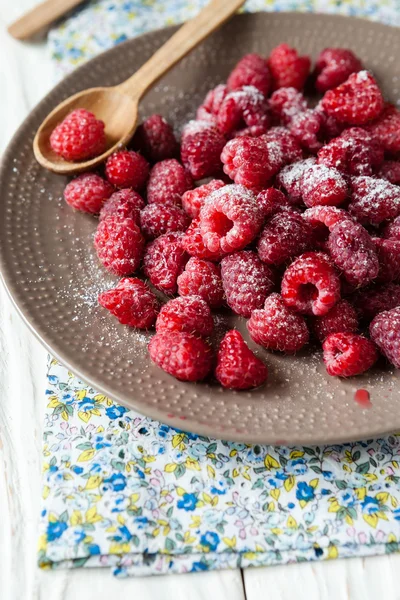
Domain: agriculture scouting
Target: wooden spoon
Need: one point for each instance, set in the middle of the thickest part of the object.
(118, 106)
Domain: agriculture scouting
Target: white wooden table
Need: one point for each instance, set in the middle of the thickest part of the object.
(25, 76)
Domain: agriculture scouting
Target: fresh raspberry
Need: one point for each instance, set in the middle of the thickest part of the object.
(334, 66)
(273, 201)
(201, 148)
(322, 219)
(168, 181)
(332, 128)
(132, 302)
(390, 170)
(238, 368)
(230, 219)
(193, 200)
(374, 200)
(155, 139)
(246, 107)
(164, 261)
(126, 169)
(385, 332)
(247, 282)
(208, 111)
(376, 299)
(123, 204)
(391, 231)
(79, 136)
(182, 355)
(190, 315)
(254, 131)
(355, 152)
(288, 69)
(282, 146)
(322, 185)
(193, 243)
(157, 219)
(388, 252)
(277, 327)
(289, 178)
(248, 162)
(356, 101)
(347, 354)
(285, 236)
(311, 285)
(253, 70)
(119, 245)
(342, 317)
(308, 129)
(202, 278)
(88, 193)
(286, 103)
(387, 129)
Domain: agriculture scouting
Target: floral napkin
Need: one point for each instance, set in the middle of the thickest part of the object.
(123, 491)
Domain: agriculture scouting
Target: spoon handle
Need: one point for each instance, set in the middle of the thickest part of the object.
(180, 44)
(39, 17)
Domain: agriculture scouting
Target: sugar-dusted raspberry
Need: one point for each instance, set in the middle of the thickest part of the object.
(254, 131)
(193, 243)
(273, 201)
(385, 332)
(282, 145)
(190, 314)
(88, 193)
(208, 111)
(157, 219)
(391, 231)
(253, 70)
(284, 236)
(388, 252)
(230, 219)
(168, 181)
(123, 204)
(202, 278)
(155, 139)
(387, 128)
(321, 185)
(246, 107)
(356, 101)
(126, 168)
(247, 281)
(374, 200)
(311, 285)
(289, 178)
(332, 128)
(119, 245)
(334, 66)
(182, 355)
(238, 367)
(286, 103)
(132, 302)
(193, 200)
(278, 327)
(308, 129)
(347, 354)
(355, 152)
(342, 317)
(248, 162)
(322, 219)
(288, 69)
(390, 170)
(201, 148)
(79, 136)
(164, 261)
(376, 299)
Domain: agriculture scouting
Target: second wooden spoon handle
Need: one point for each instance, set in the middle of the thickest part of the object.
(180, 44)
(39, 17)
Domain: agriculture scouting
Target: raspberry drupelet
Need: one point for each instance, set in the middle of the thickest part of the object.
(252, 70)
(119, 245)
(288, 69)
(237, 366)
(385, 332)
(284, 236)
(334, 66)
(193, 200)
(193, 243)
(164, 261)
(124, 203)
(155, 139)
(249, 162)
(88, 193)
(132, 303)
(347, 354)
(374, 200)
(388, 252)
(79, 136)
(386, 129)
(246, 107)
(202, 278)
(189, 315)
(322, 185)
(201, 148)
(391, 231)
(157, 219)
(273, 201)
(168, 181)
(127, 169)
(341, 318)
(308, 129)
(182, 355)
(286, 103)
(208, 111)
(289, 178)
(354, 152)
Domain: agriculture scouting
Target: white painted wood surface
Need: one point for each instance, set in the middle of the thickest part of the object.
(25, 76)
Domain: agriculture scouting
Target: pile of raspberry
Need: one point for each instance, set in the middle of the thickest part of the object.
(286, 214)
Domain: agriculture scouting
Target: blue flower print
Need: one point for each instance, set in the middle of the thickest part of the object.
(86, 404)
(93, 549)
(304, 491)
(210, 540)
(141, 522)
(396, 514)
(117, 482)
(346, 498)
(187, 502)
(76, 469)
(328, 475)
(199, 566)
(163, 431)
(370, 505)
(115, 411)
(219, 488)
(296, 467)
(55, 530)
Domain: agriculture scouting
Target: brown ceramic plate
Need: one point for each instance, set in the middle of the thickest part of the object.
(51, 272)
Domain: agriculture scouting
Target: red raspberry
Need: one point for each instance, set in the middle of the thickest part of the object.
(157, 219)
(126, 168)
(392, 230)
(202, 278)
(286, 103)
(248, 162)
(273, 201)
(201, 148)
(123, 204)
(155, 139)
(332, 127)
(237, 366)
(164, 261)
(385, 332)
(348, 354)
(374, 200)
(355, 152)
(311, 285)
(342, 317)
(252, 70)
(290, 179)
(132, 302)
(322, 185)
(387, 129)
(88, 193)
(322, 219)
(193, 200)
(79, 136)
(241, 108)
(288, 69)
(167, 183)
(254, 131)
(246, 280)
(334, 66)
(208, 111)
(189, 315)
(230, 219)
(192, 242)
(284, 236)
(308, 129)
(283, 148)
(119, 245)
(182, 355)
(390, 170)
(356, 101)
(277, 327)
(388, 252)
(374, 300)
